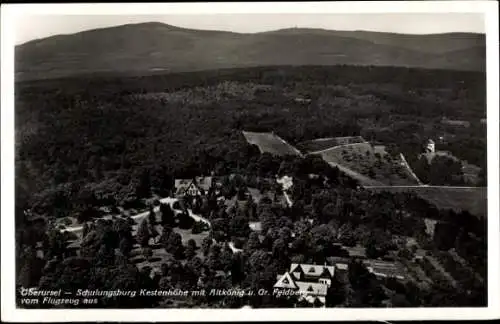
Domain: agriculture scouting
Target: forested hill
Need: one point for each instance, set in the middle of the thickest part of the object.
(102, 133)
(149, 47)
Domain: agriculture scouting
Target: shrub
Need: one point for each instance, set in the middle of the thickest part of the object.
(198, 227)
(66, 221)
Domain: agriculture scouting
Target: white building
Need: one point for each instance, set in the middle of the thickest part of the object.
(430, 146)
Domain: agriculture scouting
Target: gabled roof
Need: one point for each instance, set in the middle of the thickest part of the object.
(312, 288)
(181, 185)
(286, 281)
(295, 267)
(313, 299)
(202, 183)
(313, 270)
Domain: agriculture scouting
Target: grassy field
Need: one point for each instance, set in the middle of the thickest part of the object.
(473, 200)
(375, 164)
(326, 143)
(270, 143)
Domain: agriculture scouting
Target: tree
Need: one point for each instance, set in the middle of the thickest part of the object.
(238, 226)
(226, 258)
(268, 220)
(153, 232)
(198, 227)
(143, 234)
(71, 273)
(143, 189)
(237, 268)
(220, 229)
(190, 249)
(280, 253)
(165, 234)
(359, 277)
(30, 269)
(125, 246)
(151, 216)
(346, 235)
(173, 245)
(371, 249)
(123, 229)
(258, 261)
(336, 293)
(185, 221)
(167, 215)
(195, 265)
(250, 208)
(253, 243)
(56, 244)
(206, 244)
(88, 213)
(105, 256)
(329, 212)
(85, 229)
(214, 261)
(147, 252)
(399, 300)
(322, 239)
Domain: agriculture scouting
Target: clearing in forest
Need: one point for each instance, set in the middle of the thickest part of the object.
(372, 162)
(270, 143)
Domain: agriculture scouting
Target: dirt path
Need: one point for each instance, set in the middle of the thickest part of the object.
(335, 147)
(407, 166)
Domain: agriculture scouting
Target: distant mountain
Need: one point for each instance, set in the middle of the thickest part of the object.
(146, 47)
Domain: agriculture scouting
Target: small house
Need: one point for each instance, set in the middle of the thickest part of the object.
(199, 186)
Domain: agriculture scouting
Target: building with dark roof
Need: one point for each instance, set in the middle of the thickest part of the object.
(193, 187)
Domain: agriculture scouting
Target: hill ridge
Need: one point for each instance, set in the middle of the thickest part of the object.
(145, 46)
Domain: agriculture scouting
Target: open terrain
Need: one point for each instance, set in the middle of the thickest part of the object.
(270, 143)
(366, 160)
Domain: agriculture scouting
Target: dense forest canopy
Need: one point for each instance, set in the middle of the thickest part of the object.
(100, 132)
(92, 142)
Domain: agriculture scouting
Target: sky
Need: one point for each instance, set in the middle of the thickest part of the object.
(29, 27)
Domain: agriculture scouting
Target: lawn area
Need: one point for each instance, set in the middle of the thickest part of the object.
(377, 165)
(270, 143)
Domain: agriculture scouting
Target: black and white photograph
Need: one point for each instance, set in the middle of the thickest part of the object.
(208, 157)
